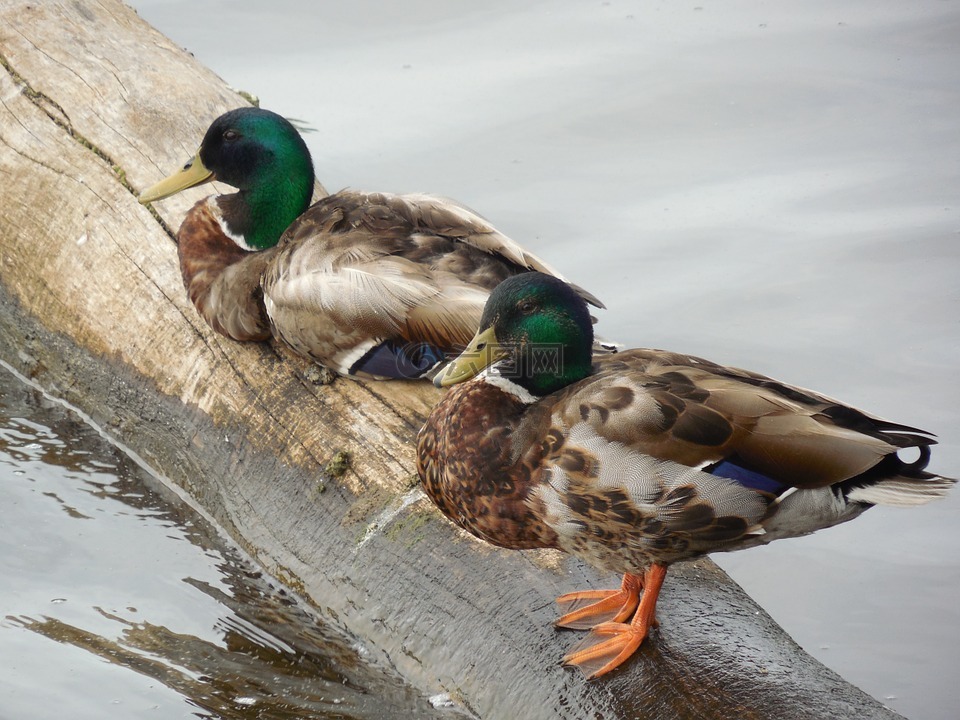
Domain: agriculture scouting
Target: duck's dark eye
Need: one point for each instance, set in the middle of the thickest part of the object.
(527, 306)
(230, 135)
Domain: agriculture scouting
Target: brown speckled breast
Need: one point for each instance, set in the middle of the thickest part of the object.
(465, 459)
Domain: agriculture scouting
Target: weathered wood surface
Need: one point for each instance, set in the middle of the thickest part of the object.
(97, 105)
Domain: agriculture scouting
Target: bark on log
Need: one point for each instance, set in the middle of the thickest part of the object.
(97, 105)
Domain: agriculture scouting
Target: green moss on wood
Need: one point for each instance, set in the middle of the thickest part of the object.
(338, 464)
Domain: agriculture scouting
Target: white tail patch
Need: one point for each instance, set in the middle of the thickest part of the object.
(902, 492)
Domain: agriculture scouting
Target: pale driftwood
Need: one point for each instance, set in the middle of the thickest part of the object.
(97, 105)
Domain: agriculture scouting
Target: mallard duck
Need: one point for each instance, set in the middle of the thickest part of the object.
(367, 284)
(645, 458)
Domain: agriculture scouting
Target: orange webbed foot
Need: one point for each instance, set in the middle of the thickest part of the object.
(607, 646)
(586, 608)
(610, 644)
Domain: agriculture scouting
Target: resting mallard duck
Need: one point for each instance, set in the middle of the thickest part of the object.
(641, 459)
(366, 284)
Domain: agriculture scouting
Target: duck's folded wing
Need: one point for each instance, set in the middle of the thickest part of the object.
(353, 304)
(364, 281)
(422, 227)
(691, 411)
(456, 220)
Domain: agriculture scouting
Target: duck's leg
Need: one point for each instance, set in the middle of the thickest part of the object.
(586, 608)
(609, 644)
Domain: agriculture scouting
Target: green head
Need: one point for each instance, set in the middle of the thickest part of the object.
(539, 327)
(262, 155)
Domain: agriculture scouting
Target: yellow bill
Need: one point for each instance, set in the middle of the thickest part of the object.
(193, 173)
(482, 352)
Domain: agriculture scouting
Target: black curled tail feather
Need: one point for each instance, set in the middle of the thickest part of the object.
(918, 466)
(894, 482)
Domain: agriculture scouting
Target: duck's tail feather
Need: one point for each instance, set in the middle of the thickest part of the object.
(602, 346)
(587, 296)
(896, 482)
(903, 491)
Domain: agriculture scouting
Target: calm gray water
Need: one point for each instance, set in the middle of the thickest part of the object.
(774, 187)
(119, 601)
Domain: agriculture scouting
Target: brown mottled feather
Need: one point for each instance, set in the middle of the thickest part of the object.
(613, 464)
(694, 412)
(373, 265)
(468, 467)
(354, 268)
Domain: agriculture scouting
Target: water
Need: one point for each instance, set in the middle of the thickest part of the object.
(768, 186)
(120, 601)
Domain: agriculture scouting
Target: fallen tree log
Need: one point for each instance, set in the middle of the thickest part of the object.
(97, 105)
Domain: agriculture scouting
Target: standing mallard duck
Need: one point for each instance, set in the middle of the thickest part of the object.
(367, 284)
(641, 459)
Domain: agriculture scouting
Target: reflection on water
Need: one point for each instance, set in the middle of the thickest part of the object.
(150, 612)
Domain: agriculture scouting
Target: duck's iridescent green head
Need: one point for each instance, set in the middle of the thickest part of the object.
(537, 328)
(262, 155)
